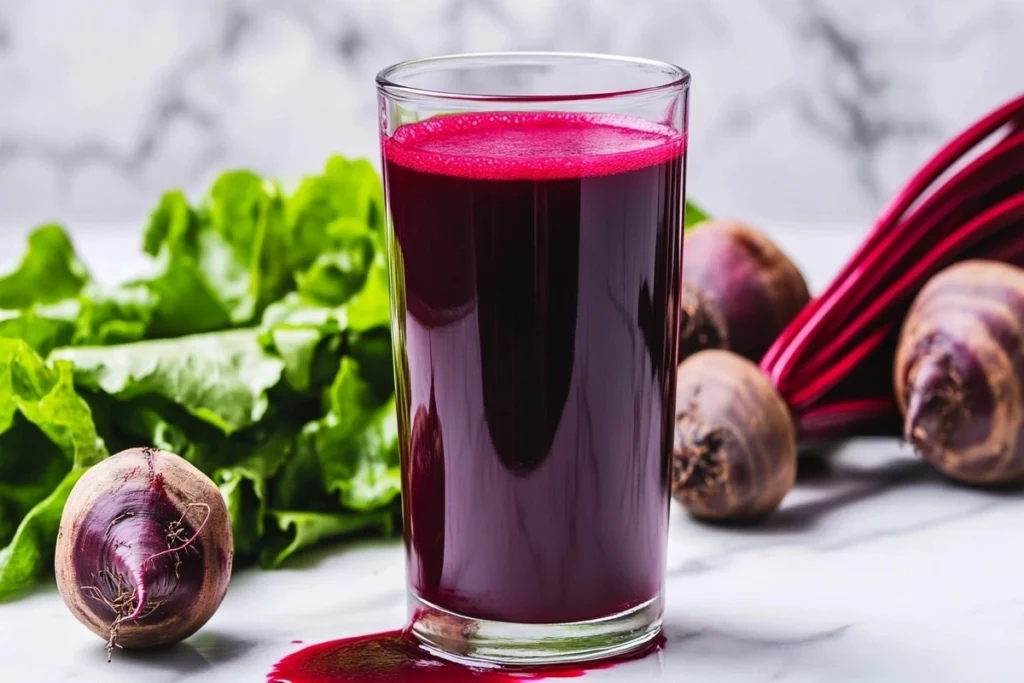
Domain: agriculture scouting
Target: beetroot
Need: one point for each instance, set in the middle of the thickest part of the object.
(144, 550)
(739, 290)
(717, 471)
(832, 364)
(959, 372)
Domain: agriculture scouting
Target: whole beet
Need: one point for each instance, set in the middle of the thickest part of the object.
(144, 550)
(959, 372)
(734, 451)
(739, 290)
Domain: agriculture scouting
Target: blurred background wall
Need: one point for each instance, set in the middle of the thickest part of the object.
(803, 111)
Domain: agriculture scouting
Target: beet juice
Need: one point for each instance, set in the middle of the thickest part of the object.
(539, 257)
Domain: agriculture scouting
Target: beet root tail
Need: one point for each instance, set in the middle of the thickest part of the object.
(936, 403)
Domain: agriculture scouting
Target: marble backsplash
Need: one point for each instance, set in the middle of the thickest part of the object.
(803, 111)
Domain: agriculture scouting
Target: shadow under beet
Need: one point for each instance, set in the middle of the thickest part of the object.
(180, 658)
(848, 486)
(834, 484)
(200, 653)
(218, 647)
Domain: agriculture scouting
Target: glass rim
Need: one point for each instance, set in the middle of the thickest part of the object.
(676, 76)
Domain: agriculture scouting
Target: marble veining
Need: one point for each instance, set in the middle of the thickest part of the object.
(105, 105)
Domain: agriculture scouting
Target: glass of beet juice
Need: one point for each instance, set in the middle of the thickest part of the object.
(535, 224)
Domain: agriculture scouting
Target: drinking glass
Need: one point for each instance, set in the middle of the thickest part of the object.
(534, 229)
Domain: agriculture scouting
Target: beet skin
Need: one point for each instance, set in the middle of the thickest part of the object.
(959, 372)
(144, 551)
(734, 452)
(739, 290)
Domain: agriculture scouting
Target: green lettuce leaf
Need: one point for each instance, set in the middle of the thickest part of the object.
(93, 317)
(298, 350)
(247, 213)
(300, 331)
(45, 395)
(340, 272)
(301, 513)
(50, 271)
(222, 263)
(154, 421)
(372, 350)
(42, 327)
(221, 378)
(245, 486)
(188, 302)
(356, 443)
(370, 308)
(114, 316)
(359, 464)
(694, 215)
(30, 554)
(30, 468)
(47, 439)
(346, 189)
(295, 530)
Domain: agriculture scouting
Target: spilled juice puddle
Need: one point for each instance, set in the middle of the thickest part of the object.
(395, 656)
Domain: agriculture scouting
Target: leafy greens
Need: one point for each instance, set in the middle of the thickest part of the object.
(47, 440)
(257, 347)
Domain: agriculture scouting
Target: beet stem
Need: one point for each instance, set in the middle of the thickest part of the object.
(980, 185)
(1004, 216)
(840, 369)
(828, 308)
(789, 342)
(1011, 112)
(847, 416)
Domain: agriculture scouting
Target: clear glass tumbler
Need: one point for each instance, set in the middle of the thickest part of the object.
(535, 212)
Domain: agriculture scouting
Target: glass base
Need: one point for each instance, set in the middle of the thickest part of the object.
(481, 642)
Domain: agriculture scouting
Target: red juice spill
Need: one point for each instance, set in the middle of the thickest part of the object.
(395, 656)
(535, 294)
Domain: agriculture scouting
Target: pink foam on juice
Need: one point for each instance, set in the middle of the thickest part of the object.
(532, 146)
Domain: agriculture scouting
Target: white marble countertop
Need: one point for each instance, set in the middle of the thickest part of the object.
(875, 570)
